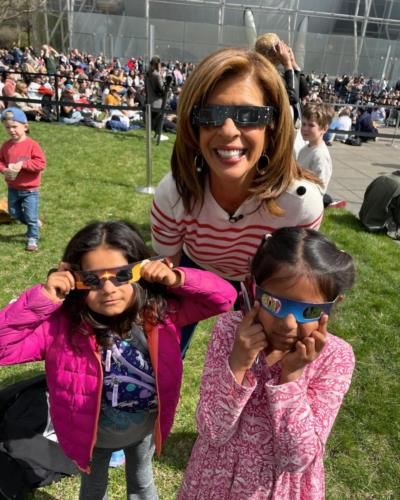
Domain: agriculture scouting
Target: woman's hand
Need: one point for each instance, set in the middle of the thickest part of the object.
(158, 271)
(306, 351)
(59, 283)
(283, 54)
(250, 339)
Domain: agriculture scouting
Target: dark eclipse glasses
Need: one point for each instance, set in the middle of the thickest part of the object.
(279, 307)
(214, 115)
(95, 279)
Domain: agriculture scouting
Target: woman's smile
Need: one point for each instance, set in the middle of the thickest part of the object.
(230, 154)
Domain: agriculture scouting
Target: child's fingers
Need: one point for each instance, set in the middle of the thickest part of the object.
(320, 340)
(323, 324)
(66, 281)
(64, 266)
(59, 284)
(250, 317)
(159, 272)
(321, 334)
(309, 348)
(301, 349)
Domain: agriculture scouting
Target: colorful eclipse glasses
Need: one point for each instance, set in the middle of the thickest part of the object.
(304, 312)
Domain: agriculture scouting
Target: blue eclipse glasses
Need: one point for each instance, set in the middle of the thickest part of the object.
(279, 307)
(214, 115)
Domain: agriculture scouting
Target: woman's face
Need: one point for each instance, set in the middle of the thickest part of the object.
(232, 152)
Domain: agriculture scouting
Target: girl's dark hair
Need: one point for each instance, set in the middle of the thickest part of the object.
(305, 251)
(123, 236)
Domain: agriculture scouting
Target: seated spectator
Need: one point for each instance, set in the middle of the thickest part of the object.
(10, 84)
(378, 115)
(33, 88)
(116, 78)
(33, 111)
(84, 88)
(68, 113)
(341, 122)
(113, 98)
(364, 123)
(130, 100)
(169, 123)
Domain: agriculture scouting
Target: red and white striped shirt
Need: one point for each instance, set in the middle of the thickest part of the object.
(222, 243)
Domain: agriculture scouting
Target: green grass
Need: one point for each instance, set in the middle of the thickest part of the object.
(93, 174)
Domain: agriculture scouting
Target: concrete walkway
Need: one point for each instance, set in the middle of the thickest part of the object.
(355, 167)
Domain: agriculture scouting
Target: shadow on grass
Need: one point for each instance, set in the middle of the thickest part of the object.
(345, 218)
(40, 495)
(110, 181)
(177, 449)
(11, 239)
(123, 136)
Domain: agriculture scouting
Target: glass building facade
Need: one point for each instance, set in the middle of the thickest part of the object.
(328, 36)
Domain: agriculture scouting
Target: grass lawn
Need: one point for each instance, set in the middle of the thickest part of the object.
(93, 174)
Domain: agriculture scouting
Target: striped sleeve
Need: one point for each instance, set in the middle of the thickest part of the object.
(167, 225)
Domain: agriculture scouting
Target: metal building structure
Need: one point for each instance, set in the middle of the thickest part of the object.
(333, 36)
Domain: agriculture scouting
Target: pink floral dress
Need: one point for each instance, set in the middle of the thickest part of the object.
(261, 440)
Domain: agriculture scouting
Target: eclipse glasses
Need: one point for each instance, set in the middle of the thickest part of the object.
(95, 279)
(304, 312)
(214, 115)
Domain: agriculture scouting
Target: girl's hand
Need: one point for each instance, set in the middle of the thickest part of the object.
(157, 271)
(250, 339)
(307, 350)
(59, 283)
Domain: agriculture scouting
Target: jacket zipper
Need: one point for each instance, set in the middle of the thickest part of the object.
(98, 359)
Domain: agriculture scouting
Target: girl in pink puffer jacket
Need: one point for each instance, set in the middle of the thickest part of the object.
(107, 323)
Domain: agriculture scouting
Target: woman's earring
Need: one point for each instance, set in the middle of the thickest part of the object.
(262, 164)
(199, 162)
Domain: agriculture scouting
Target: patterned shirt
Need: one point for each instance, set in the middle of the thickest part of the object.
(262, 440)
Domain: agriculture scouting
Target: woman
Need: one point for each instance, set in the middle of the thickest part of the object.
(155, 91)
(233, 175)
(33, 111)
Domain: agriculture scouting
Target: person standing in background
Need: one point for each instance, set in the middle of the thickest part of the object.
(279, 53)
(22, 162)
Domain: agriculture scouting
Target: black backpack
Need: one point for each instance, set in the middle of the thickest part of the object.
(28, 459)
(380, 210)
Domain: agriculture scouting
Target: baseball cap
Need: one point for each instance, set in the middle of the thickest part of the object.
(15, 114)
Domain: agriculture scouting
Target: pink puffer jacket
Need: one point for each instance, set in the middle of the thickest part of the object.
(34, 328)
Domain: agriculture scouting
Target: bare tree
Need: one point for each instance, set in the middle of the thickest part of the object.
(12, 10)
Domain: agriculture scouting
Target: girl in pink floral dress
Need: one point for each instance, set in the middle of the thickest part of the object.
(274, 378)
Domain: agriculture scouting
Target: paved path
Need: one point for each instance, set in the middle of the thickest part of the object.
(355, 167)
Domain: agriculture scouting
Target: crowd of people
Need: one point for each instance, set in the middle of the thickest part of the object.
(237, 223)
(80, 80)
(84, 79)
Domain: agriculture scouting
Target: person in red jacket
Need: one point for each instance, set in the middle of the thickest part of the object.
(22, 162)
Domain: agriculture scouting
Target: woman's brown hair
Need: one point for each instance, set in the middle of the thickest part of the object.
(279, 137)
